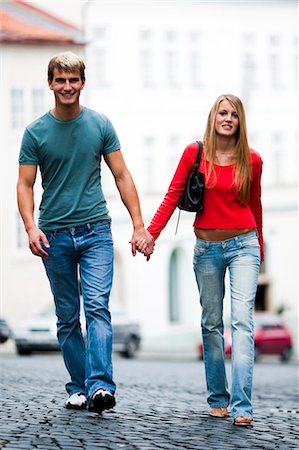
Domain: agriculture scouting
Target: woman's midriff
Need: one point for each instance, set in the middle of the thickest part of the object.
(215, 235)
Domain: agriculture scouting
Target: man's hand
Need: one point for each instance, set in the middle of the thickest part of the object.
(36, 237)
(142, 241)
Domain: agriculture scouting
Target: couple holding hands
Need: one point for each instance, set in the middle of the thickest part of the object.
(73, 236)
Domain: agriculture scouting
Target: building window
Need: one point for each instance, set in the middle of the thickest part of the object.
(100, 56)
(174, 154)
(100, 65)
(99, 33)
(145, 35)
(22, 240)
(295, 61)
(170, 35)
(149, 164)
(147, 68)
(274, 62)
(147, 58)
(279, 159)
(174, 276)
(194, 36)
(17, 108)
(195, 69)
(171, 58)
(249, 67)
(171, 68)
(38, 102)
(195, 58)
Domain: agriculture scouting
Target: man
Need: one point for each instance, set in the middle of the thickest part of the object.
(73, 236)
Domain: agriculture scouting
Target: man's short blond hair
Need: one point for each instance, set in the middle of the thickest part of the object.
(66, 62)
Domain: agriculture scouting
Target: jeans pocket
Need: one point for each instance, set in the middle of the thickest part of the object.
(251, 242)
(200, 248)
(50, 236)
(102, 227)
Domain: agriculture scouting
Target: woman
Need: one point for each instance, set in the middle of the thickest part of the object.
(228, 236)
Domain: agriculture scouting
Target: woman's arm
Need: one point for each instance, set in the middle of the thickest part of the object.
(174, 192)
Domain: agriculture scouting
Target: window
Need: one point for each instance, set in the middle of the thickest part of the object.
(174, 277)
(100, 65)
(171, 68)
(295, 61)
(174, 154)
(38, 102)
(100, 57)
(99, 33)
(17, 108)
(22, 240)
(149, 164)
(249, 66)
(147, 58)
(195, 58)
(195, 69)
(145, 35)
(278, 158)
(274, 62)
(147, 67)
(171, 58)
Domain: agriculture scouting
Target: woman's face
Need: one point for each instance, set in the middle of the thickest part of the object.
(227, 119)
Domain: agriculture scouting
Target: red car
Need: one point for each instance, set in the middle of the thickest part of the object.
(271, 337)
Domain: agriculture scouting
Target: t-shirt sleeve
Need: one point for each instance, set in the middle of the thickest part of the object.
(111, 141)
(29, 150)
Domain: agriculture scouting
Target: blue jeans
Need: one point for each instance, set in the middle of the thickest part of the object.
(241, 256)
(88, 248)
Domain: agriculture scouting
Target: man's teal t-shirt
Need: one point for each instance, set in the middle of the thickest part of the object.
(69, 156)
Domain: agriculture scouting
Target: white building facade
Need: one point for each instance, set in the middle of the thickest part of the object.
(155, 69)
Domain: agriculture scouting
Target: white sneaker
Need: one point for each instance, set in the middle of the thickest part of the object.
(101, 400)
(76, 401)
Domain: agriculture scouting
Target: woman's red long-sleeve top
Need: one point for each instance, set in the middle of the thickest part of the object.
(222, 208)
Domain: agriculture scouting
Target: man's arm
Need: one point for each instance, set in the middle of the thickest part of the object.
(25, 195)
(130, 199)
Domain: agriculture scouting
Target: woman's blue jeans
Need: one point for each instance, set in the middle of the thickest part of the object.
(86, 250)
(241, 256)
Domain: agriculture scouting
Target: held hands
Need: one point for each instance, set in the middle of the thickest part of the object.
(143, 242)
(36, 238)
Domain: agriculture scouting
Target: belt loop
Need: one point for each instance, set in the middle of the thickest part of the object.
(88, 226)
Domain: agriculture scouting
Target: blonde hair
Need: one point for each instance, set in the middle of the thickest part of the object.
(66, 62)
(243, 166)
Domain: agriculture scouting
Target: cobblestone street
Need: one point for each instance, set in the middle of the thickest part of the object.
(160, 405)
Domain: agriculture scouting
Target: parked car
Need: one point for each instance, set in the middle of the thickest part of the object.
(39, 334)
(271, 337)
(5, 331)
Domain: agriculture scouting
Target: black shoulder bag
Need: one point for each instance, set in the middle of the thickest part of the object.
(192, 197)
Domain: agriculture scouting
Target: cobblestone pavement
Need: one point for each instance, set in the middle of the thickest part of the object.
(160, 405)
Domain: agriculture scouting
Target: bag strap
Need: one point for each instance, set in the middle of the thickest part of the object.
(195, 167)
(199, 153)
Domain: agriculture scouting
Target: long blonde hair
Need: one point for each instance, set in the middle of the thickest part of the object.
(243, 166)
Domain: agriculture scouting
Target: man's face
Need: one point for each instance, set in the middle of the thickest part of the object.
(66, 87)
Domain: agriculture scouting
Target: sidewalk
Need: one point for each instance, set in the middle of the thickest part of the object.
(160, 405)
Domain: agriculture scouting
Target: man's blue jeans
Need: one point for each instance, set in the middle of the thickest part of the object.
(241, 256)
(88, 248)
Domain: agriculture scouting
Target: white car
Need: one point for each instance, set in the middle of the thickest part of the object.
(39, 334)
